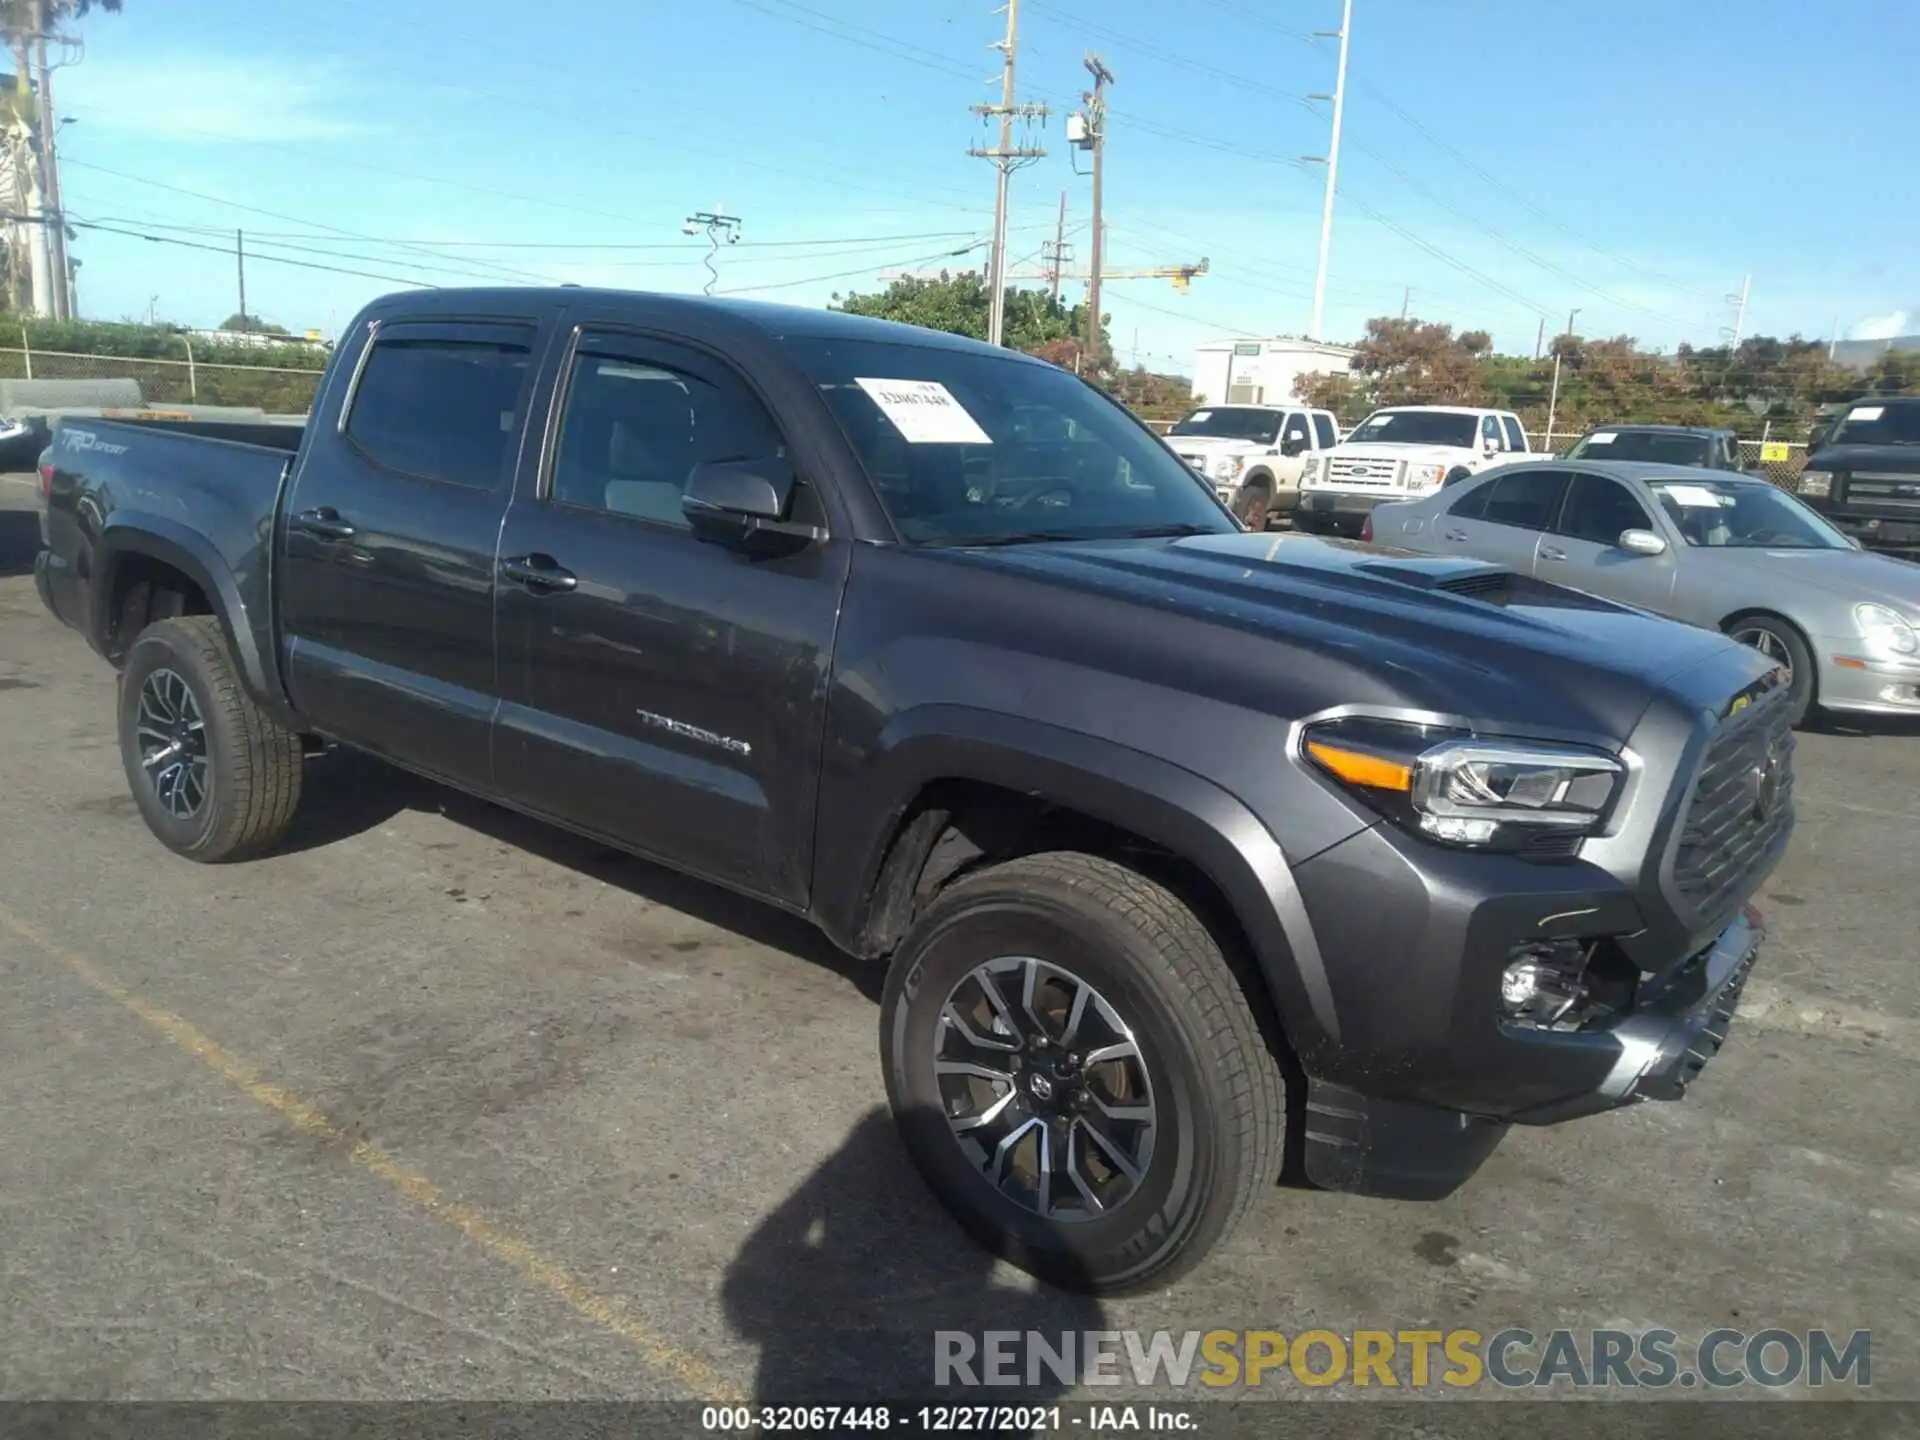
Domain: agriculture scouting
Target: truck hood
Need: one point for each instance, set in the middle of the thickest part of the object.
(1211, 445)
(1359, 624)
(1891, 459)
(1412, 454)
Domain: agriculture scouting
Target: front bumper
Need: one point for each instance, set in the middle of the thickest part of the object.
(1340, 511)
(1862, 684)
(1425, 1073)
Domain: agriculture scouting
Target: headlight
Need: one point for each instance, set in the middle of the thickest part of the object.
(1816, 482)
(1228, 466)
(1472, 791)
(1425, 477)
(1885, 630)
(1311, 470)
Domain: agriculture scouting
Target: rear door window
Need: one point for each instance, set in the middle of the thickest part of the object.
(1525, 500)
(1326, 434)
(444, 401)
(1600, 510)
(1516, 437)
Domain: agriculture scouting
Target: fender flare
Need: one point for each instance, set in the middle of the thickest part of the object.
(154, 537)
(1163, 803)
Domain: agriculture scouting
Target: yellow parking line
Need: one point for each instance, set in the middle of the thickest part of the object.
(549, 1274)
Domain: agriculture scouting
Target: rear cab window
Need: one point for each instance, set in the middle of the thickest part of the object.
(443, 401)
(1326, 434)
(1516, 437)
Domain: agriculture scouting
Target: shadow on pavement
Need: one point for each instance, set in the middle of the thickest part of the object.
(19, 541)
(347, 793)
(845, 1284)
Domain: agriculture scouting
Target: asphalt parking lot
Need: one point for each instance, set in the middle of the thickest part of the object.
(441, 1103)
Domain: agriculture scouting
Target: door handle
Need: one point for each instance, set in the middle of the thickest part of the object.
(1552, 552)
(1455, 535)
(538, 573)
(323, 523)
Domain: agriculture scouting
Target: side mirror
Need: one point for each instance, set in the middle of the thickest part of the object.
(1296, 446)
(1489, 446)
(1642, 542)
(744, 502)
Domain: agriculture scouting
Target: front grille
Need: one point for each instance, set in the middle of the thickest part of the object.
(1742, 805)
(1893, 494)
(1363, 474)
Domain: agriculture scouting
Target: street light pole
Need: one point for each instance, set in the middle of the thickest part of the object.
(1333, 174)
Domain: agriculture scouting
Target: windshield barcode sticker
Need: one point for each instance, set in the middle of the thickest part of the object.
(925, 412)
(1866, 412)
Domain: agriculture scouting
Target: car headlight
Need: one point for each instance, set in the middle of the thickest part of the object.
(1478, 792)
(1885, 630)
(1311, 470)
(1816, 482)
(1228, 466)
(1425, 477)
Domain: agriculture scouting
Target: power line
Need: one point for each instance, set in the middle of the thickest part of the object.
(259, 210)
(1148, 47)
(272, 259)
(863, 270)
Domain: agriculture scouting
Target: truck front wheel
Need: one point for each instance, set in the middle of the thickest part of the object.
(1077, 1072)
(215, 777)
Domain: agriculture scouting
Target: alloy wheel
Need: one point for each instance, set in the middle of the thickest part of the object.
(172, 737)
(1768, 644)
(1045, 1088)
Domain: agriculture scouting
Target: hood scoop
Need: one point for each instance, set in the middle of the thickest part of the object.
(1493, 584)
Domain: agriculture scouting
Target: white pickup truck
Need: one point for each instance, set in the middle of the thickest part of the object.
(1253, 455)
(1401, 452)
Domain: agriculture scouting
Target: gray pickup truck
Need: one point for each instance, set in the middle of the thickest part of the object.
(1171, 837)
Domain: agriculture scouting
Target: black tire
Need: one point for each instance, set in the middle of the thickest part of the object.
(1455, 476)
(1781, 640)
(1253, 502)
(252, 770)
(1215, 1090)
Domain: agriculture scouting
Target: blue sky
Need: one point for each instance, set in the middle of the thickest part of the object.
(1504, 160)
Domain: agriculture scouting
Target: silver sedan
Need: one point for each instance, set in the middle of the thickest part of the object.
(1708, 547)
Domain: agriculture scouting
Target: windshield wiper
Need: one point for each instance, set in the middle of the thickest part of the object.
(1012, 537)
(1162, 532)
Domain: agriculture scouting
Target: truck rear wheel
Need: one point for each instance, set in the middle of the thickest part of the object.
(1077, 1072)
(215, 777)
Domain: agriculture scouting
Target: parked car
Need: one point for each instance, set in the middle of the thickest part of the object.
(1864, 474)
(1400, 451)
(1142, 814)
(1715, 549)
(1709, 449)
(1252, 455)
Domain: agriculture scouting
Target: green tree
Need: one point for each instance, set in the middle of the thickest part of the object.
(1404, 362)
(252, 325)
(960, 304)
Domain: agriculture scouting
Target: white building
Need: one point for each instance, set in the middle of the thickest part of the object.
(1260, 372)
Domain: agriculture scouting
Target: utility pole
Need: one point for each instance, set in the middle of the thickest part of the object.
(720, 227)
(1740, 311)
(1058, 258)
(1553, 396)
(1006, 157)
(1339, 98)
(240, 264)
(54, 218)
(1097, 125)
(1540, 339)
(1406, 298)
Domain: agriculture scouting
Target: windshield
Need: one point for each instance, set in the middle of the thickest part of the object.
(1744, 515)
(1260, 425)
(1650, 445)
(1417, 427)
(1891, 424)
(965, 448)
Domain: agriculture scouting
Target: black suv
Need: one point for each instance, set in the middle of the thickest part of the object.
(1863, 473)
(1697, 446)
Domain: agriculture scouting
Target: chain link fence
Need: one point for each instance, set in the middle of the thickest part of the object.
(277, 389)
